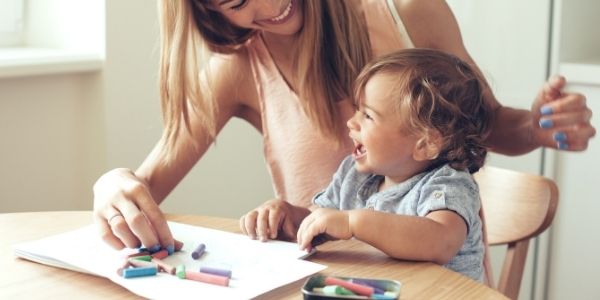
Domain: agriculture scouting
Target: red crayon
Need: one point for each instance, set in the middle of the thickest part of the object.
(357, 288)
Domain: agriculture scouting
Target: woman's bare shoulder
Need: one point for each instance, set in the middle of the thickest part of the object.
(232, 84)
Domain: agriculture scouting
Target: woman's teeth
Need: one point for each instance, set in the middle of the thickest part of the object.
(284, 14)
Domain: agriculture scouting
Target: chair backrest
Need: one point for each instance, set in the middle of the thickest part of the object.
(516, 206)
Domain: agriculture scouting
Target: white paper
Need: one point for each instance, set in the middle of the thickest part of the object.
(257, 267)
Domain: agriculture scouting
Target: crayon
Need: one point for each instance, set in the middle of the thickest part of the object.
(163, 266)
(139, 272)
(216, 271)
(143, 257)
(137, 263)
(125, 265)
(160, 254)
(356, 288)
(333, 290)
(141, 253)
(378, 288)
(198, 251)
(207, 278)
(180, 271)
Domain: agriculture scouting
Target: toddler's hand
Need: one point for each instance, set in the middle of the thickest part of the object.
(332, 223)
(272, 220)
(561, 120)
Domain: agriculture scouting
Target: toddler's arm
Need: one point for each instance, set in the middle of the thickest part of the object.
(436, 237)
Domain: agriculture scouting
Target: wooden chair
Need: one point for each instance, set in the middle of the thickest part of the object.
(517, 207)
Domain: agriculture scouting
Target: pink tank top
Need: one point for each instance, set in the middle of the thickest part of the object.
(300, 161)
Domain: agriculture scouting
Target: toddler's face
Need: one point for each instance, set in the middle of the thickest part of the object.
(382, 146)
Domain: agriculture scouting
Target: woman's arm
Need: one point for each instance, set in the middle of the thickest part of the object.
(431, 24)
(126, 208)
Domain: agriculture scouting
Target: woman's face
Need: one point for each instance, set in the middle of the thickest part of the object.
(282, 17)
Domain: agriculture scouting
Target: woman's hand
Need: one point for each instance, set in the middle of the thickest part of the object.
(275, 219)
(127, 215)
(561, 120)
(333, 223)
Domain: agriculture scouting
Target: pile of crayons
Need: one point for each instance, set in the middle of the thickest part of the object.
(354, 287)
(149, 263)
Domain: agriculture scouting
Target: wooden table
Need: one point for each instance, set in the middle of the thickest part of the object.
(24, 279)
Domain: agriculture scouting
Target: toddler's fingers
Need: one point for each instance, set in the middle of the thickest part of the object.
(250, 224)
(262, 225)
(275, 220)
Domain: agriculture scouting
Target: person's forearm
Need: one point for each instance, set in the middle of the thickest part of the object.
(403, 237)
(511, 132)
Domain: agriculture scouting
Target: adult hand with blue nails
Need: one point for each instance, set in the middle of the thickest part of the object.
(561, 119)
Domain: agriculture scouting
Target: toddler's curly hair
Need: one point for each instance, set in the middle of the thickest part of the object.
(438, 91)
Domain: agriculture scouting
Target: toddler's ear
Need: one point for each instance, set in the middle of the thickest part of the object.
(428, 147)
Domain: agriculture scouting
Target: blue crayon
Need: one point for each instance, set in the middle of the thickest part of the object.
(216, 271)
(198, 251)
(139, 272)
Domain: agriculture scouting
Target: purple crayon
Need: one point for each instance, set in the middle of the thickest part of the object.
(198, 251)
(216, 271)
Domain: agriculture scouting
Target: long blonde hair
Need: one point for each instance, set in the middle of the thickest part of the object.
(333, 48)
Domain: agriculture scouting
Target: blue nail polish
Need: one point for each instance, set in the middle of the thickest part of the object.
(560, 136)
(563, 146)
(546, 110)
(546, 123)
(170, 249)
(154, 248)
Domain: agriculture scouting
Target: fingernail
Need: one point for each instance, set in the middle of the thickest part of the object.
(171, 249)
(140, 250)
(546, 123)
(546, 110)
(154, 248)
(560, 136)
(563, 146)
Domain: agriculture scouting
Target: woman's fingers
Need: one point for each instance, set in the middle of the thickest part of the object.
(159, 232)
(106, 232)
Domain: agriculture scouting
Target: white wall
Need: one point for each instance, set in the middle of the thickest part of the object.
(513, 55)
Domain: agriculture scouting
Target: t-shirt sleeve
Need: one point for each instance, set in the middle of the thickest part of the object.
(330, 196)
(453, 190)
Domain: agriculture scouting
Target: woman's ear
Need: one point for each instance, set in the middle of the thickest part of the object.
(428, 147)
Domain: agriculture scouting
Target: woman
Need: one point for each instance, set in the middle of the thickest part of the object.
(287, 67)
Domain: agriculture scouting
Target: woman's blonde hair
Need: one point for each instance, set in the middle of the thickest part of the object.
(438, 91)
(333, 48)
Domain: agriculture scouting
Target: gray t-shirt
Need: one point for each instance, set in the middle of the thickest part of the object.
(442, 188)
